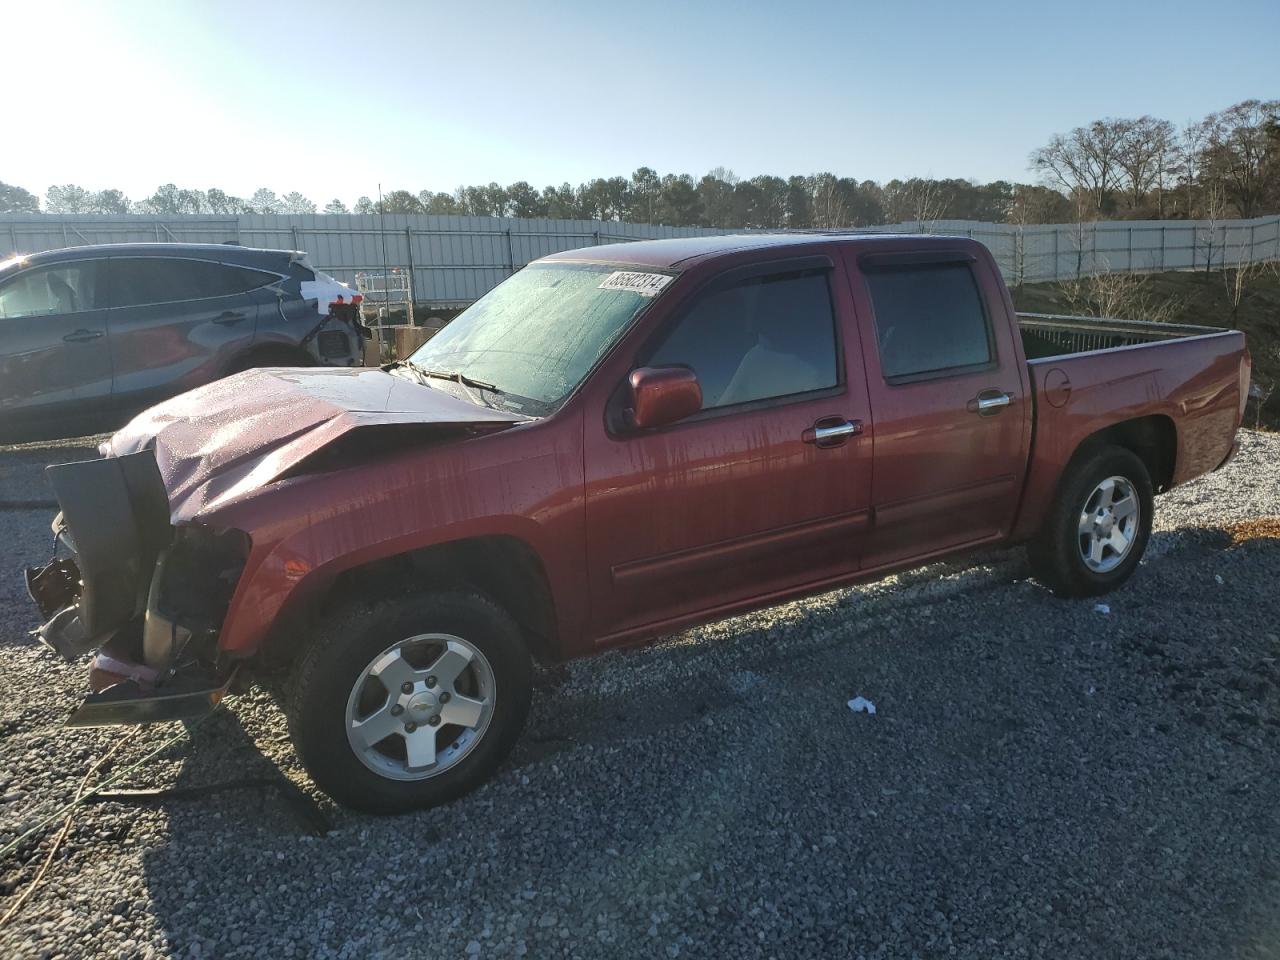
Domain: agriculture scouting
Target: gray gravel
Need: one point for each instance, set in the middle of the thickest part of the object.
(1041, 779)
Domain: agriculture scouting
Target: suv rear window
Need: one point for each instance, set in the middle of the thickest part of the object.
(140, 281)
(929, 319)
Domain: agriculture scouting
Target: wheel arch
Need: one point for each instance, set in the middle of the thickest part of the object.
(504, 567)
(1153, 439)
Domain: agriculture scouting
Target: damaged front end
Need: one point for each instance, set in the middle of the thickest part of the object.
(148, 596)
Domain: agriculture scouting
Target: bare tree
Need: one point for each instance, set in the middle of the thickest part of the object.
(828, 201)
(1237, 153)
(1240, 276)
(918, 200)
(1188, 150)
(1082, 228)
(1206, 235)
(1086, 159)
(1126, 295)
(1141, 154)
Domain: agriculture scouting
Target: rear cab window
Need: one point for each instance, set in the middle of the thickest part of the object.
(930, 320)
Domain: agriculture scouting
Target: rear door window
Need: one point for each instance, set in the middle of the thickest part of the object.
(55, 289)
(929, 320)
(145, 280)
(767, 337)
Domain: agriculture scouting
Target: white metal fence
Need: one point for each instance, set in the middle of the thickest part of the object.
(454, 260)
(1035, 253)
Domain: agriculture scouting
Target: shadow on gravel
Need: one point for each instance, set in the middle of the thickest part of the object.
(22, 482)
(1043, 777)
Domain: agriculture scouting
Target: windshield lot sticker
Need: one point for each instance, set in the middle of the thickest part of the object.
(645, 284)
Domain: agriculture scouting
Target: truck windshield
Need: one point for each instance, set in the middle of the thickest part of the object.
(535, 336)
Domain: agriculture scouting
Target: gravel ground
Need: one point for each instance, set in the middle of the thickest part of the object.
(1041, 779)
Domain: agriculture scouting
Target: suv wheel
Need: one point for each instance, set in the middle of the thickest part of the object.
(410, 703)
(1097, 529)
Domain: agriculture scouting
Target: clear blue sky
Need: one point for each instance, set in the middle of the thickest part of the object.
(330, 98)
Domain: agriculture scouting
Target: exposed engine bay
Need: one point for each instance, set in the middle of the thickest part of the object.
(148, 595)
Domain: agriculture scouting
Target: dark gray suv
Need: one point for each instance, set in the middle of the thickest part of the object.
(90, 336)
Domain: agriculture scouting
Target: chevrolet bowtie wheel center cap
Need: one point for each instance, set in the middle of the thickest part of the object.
(424, 704)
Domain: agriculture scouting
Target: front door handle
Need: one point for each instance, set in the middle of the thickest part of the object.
(228, 317)
(989, 402)
(831, 431)
(80, 336)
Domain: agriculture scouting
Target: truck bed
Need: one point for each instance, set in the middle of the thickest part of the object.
(1055, 335)
(1184, 383)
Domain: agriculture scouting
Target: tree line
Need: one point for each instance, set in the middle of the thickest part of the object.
(1225, 165)
(718, 199)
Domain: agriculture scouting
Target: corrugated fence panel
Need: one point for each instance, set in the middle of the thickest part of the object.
(456, 259)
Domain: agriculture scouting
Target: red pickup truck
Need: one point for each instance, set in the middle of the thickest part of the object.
(613, 444)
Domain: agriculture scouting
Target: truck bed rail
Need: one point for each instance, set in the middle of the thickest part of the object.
(1051, 335)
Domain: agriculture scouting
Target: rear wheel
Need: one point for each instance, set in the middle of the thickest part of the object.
(410, 703)
(1097, 530)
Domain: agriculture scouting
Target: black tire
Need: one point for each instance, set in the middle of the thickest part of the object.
(349, 641)
(1056, 555)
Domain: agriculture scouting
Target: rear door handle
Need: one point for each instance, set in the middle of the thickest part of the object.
(227, 318)
(831, 431)
(989, 402)
(80, 336)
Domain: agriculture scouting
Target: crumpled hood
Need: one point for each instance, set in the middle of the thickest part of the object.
(220, 442)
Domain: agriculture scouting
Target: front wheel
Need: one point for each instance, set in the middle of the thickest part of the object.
(411, 702)
(1097, 529)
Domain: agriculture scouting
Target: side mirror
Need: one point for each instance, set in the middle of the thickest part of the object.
(663, 395)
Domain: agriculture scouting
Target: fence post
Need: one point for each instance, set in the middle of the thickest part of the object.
(413, 279)
(1130, 264)
(1057, 270)
(1162, 247)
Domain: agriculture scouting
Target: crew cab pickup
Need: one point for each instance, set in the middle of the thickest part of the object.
(613, 444)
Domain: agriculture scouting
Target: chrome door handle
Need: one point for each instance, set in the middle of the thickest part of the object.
(846, 429)
(228, 317)
(80, 336)
(826, 433)
(989, 402)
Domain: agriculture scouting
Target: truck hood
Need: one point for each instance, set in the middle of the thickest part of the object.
(221, 442)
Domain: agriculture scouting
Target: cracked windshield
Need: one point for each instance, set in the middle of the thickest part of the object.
(535, 336)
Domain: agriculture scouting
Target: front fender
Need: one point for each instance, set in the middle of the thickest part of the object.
(290, 576)
(307, 530)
